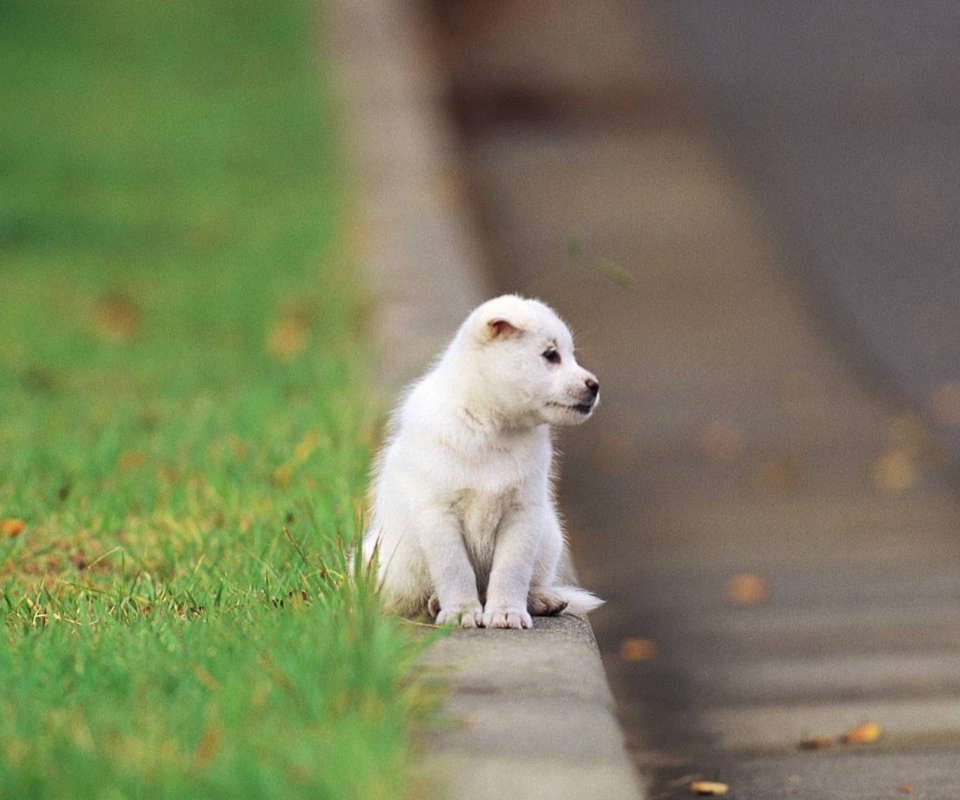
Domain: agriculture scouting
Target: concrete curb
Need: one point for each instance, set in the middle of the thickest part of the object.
(536, 713)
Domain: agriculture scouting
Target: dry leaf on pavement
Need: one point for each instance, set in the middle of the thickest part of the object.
(748, 590)
(863, 734)
(816, 743)
(709, 788)
(638, 649)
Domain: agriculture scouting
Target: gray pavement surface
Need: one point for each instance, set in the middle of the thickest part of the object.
(780, 556)
(529, 714)
(846, 118)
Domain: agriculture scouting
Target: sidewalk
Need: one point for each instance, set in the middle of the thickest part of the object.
(733, 439)
(532, 715)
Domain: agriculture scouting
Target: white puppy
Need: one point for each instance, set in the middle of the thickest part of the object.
(463, 519)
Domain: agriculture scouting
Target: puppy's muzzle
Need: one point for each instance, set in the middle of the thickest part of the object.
(588, 398)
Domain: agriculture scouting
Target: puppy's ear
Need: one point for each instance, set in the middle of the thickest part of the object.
(502, 328)
(502, 318)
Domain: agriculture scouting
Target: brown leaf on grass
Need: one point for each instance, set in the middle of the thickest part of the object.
(863, 734)
(79, 560)
(131, 459)
(281, 476)
(116, 317)
(308, 444)
(205, 678)
(238, 447)
(288, 337)
(12, 528)
(16, 750)
(748, 590)
(638, 649)
(207, 747)
(709, 788)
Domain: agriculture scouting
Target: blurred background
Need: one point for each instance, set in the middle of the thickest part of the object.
(841, 120)
(745, 211)
(845, 119)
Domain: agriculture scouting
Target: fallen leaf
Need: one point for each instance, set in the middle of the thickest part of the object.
(907, 789)
(79, 560)
(12, 527)
(288, 338)
(306, 447)
(131, 459)
(748, 590)
(207, 747)
(282, 475)
(238, 447)
(945, 403)
(896, 470)
(863, 734)
(709, 788)
(816, 743)
(116, 317)
(638, 649)
(205, 678)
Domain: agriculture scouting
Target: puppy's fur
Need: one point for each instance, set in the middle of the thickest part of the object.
(463, 521)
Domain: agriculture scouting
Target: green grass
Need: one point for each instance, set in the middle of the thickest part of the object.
(185, 426)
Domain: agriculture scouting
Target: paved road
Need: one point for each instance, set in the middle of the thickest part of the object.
(780, 559)
(846, 117)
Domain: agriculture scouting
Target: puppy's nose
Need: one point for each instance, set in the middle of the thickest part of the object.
(593, 386)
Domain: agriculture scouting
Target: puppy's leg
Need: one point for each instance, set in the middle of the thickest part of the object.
(543, 599)
(513, 562)
(546, 596)
(451, 573)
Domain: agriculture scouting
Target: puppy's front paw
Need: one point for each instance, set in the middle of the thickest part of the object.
(506, 617)
(461, 616)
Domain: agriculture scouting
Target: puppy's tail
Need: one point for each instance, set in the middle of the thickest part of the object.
(579, 601)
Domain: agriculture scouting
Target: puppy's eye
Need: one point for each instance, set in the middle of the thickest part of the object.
(551, 356)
